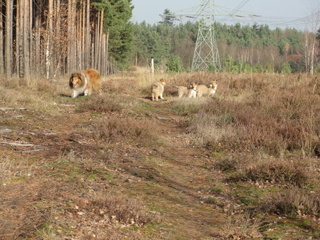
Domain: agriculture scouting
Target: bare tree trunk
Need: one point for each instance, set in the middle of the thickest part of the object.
(57, 40)
(83, 33)
(100, 41)
(26, 50)
(1, 44)
(49, 40)
(73, 39)
(69, 36)
(88, 37)
(103, 55)
(312, 57)
(92, 55)
(8, 38)
(107, 49)
(79, 37)
(37, 40)
(18, 20)
(31, 60)
(96, 41)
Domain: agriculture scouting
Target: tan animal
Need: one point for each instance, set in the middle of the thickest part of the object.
(82, 82)
(157, 89)
(189, 91)
(192, 90)
(210, 90)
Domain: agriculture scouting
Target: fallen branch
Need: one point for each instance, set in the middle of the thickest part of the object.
(19, 144)
(5, 108)
(36, 150)
(6, 130)
(163, 118)
(67, 105)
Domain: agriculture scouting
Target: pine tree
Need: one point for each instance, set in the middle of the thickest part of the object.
(117, 27)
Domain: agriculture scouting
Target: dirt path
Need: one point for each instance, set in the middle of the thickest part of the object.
(183, 176)
(173, 179)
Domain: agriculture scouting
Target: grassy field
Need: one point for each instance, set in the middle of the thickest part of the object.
(243, 164)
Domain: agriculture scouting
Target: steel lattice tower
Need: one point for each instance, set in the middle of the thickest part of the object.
(206, 51)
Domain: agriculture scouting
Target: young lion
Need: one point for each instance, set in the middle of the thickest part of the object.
(157, 89)
(209, 90)
(83, 81)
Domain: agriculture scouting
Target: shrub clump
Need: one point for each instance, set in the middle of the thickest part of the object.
(122, 209)
(280, 171)
(100, 104)
(295, 201)
(115, 128)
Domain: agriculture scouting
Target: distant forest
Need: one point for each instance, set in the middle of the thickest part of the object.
(242, 48)
(54, 37)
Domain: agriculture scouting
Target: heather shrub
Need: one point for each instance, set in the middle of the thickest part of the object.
(275, 171)
(124, 210)
(261, 113)
(121, 129)
(100, 104)
(295, 201)
(46, 86)
(120, 86)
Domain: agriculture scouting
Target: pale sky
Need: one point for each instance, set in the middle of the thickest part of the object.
(275, 13)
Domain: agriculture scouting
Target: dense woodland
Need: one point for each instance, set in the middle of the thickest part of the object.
(241, 47)
(54, 37)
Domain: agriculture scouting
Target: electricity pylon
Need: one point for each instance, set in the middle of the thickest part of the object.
(206, 52)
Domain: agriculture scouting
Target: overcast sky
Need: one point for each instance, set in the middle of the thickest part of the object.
(275, 13)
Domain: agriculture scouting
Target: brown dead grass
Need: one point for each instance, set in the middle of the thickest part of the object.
(106, 104)
(122, 128)
(276, 171)
(295, 201)
(271, 115)
(121, 209)
(248, 129)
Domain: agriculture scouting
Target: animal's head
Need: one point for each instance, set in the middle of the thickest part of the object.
(213, 84)
(193, 85)
(162, 81)
(75, 80)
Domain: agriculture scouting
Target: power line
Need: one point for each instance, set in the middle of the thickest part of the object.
(236, 9)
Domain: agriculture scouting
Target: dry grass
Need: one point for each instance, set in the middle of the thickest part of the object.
(126, 128)
(253, 130)
(295, 201)
(276, 171)
(241, 227)
(106, 104)
(121, 209)
(266, 113)
(12, 169)
(36, 94)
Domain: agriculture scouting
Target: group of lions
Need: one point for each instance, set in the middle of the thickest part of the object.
(193, 90)
(82, 82)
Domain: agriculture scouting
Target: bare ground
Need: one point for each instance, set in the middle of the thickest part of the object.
(170, 178)
(57, 177)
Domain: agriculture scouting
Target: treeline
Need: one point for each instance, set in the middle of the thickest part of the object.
(54, 37)
(241, 48)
